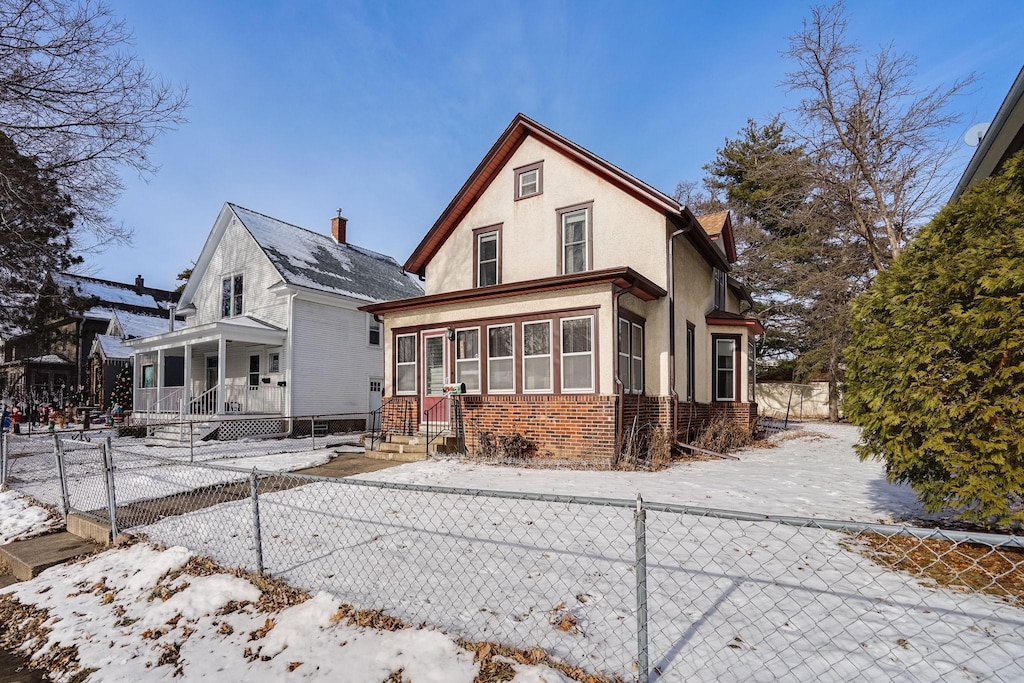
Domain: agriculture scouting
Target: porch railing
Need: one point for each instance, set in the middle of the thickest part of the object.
(158, 399)
(449, 425)
(238, 400)
(393, 417)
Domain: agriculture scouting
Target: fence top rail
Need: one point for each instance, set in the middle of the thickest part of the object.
(988, 539)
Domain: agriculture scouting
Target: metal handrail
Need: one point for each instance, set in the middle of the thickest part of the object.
(378, 432)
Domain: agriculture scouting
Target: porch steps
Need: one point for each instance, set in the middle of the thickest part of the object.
(178, 434)
(412, 448)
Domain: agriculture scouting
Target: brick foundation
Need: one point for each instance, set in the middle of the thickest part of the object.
(567, 427)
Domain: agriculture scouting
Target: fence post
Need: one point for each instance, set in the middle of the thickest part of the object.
(108, 467)
(3, 460)
(257, 535)
(640, 525)
(62, 482)
(312, 431)
(191, 445)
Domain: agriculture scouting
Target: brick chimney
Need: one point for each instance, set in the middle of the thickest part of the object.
(338, 225)
(139, 282)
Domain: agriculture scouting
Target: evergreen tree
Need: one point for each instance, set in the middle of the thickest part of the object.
(936, 363)
(122, 393)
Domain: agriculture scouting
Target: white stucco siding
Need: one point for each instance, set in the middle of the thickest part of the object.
(331, 361)
(237, 252)
(530, 232)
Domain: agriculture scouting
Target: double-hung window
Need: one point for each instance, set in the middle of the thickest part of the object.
(231, 296)
(405, 364)
(725, 368)
(488, 251)
(721, 284)
(374, 331)
(501, 375)
(529, 180)
(574, 225)
(631, 356)
(578, 354)
(537, 356)
(467, 358)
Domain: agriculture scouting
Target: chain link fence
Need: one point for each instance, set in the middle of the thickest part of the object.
(617, 588)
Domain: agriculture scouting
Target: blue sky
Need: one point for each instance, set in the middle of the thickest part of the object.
(384, 108)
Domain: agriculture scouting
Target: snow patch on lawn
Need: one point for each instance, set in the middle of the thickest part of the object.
(20, 518)
(105, 606)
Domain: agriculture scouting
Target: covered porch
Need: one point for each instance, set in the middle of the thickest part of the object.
(229, 367)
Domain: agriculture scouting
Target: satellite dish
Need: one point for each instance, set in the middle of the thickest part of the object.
(975, 133)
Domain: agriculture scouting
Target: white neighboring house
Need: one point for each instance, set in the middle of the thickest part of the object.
(272, 325)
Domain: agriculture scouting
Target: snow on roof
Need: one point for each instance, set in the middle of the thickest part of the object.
(112, 347)
(107, 291)
(310, 259)
(54, 358)
(138, 325)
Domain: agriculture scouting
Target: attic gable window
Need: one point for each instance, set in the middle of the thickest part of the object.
(529, 180)
(487, 256)
(231, 296)
(721, 283)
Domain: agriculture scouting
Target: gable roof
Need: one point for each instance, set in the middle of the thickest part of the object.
(140, 325)
(521, 127)
(111, 296)
(311, 260)
(111, 347)
(718, 226)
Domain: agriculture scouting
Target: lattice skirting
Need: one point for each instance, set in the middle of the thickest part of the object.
(229, 431)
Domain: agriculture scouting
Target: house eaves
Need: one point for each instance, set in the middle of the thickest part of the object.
(1004, 137)
(626, 278)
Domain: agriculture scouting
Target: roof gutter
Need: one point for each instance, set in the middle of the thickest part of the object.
(1005, 110)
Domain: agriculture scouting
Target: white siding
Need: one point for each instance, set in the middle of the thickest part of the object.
(237, 252)
(332, 361)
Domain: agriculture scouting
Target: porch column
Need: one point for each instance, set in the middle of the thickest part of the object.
(136, 370)
(222, 362)
(160, 380)
(186, 392)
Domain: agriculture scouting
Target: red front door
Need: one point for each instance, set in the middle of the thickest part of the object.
(435, 373)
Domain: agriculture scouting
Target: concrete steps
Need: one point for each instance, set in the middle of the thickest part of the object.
(412, 448)
(178, 434)
(27, 559)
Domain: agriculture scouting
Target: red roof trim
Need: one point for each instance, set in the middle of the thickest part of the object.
(626, 278)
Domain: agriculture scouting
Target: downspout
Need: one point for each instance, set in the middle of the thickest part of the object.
(620, 392)
(672, 328)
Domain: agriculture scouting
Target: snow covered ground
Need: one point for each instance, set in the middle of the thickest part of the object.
(20, 518)
(727, 599)
(212, 627)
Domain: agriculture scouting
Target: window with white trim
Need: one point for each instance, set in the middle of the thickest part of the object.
(467, 358)
(274, 361)
(578, 354)
(487, 250)
(725, 369)
(405, 364)
(631, 356)
(537, 356)
(529, 180)
(231, 296)
(374, 331)
(501, 375)
(574, 240)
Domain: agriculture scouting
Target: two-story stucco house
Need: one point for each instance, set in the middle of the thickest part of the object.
(272, 324)
(569, 297)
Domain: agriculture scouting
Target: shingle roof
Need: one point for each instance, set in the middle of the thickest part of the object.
(138, 325)
(713, 223)
(314, 260)
(112, 347)
(113, 294)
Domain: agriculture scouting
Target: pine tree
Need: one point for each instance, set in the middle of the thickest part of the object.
(122, 392)
(936, 363)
